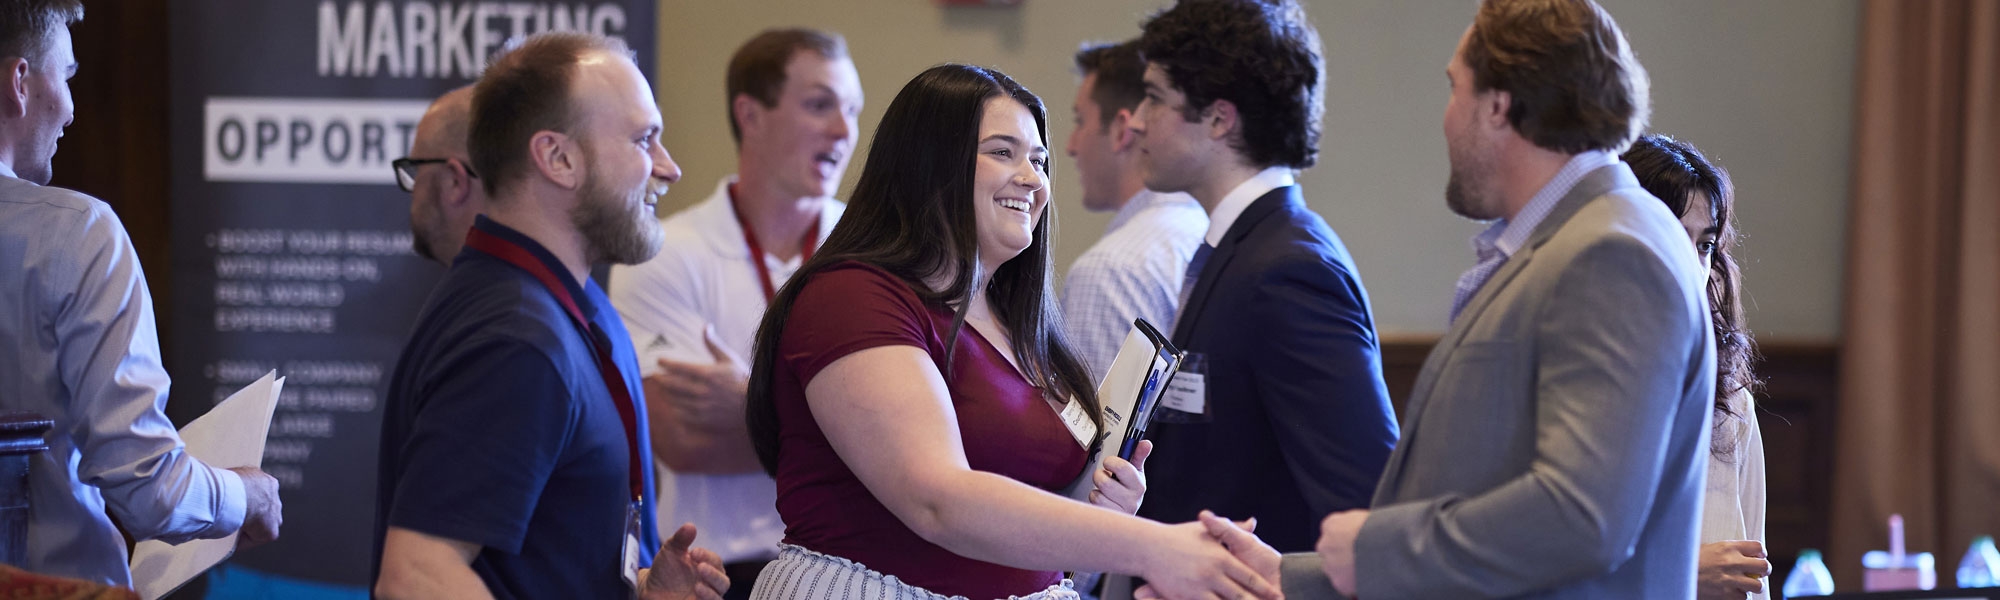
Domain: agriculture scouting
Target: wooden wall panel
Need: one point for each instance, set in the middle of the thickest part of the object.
(116, 149)
(1795, 411)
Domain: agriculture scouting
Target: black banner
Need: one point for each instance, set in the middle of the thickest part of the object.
(291, 242)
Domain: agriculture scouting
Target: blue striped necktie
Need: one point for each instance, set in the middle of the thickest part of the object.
(1193, 273)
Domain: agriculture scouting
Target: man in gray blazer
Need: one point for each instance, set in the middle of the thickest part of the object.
(1553, 444)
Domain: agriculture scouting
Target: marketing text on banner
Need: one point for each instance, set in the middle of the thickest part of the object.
(306, 140)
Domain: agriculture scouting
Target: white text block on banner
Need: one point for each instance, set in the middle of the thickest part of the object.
(306, 140)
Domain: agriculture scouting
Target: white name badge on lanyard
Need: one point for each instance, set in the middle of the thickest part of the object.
(1078, 421)
(629, 566)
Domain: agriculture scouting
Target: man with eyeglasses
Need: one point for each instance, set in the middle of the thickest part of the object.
(444, 191)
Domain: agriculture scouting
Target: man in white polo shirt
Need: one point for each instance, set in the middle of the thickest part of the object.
(693, 310)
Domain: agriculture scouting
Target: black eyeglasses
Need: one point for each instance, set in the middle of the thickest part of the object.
(406, 170)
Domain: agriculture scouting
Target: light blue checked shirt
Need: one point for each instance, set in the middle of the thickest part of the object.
(1505, 236)
(1135, 271)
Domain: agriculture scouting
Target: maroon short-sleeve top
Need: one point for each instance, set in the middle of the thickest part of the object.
(1006, 425)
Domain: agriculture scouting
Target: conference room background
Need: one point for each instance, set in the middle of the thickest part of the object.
(1767, 88)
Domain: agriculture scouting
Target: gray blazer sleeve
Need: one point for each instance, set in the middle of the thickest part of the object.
(1302, 578)
(1612, 344)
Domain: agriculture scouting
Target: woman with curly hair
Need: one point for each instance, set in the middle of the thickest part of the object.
(1732, 560)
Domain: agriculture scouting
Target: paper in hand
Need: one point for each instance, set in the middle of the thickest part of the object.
(1129, 392)
(231, 435)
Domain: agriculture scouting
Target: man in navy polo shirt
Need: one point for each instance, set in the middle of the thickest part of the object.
(515, 459)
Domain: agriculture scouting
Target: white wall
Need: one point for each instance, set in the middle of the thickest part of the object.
(1764, 87)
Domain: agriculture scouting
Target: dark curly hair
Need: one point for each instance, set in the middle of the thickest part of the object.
(1260, 55)
(1674, 171)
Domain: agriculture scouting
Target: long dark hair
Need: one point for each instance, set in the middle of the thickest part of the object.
(911, 214)
(1674, 171)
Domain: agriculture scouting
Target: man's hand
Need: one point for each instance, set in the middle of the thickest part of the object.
(1732, 569)
(263, 512)
(681, 571)
(1243, 543)
(1336, 547)
(1121, 485)
(1200, 567)
(706, 396)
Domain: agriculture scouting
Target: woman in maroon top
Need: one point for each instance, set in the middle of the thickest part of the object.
(909, 382)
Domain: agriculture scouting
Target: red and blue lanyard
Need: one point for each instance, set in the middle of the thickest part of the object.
(614, 380)
(806, 243)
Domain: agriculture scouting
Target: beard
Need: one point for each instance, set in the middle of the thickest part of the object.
(1459, 199)
(420, 241)
(424, 235)
(611, 232)
(1466, 191)
(429, 228)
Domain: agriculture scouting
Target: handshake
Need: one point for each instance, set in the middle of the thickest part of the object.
(1238, 563)
(1335, 557)
(1210, 558)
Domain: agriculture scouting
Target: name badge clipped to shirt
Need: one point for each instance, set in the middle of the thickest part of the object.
(1078, 421)
(1186, 398)
(629, 557)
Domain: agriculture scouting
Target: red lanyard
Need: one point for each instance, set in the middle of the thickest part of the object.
(806, 243)
(515, 255)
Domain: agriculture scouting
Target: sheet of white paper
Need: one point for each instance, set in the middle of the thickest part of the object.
(231, 435)
(1119, 393)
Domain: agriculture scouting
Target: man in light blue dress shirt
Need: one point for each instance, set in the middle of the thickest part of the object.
(1135, 271)
(77, 338)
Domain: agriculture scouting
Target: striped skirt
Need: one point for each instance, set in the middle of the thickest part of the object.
(801, 574)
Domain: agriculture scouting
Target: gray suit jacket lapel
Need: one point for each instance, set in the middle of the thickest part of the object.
(1593, 185)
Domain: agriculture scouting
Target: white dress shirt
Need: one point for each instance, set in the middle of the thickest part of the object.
(1234, 203)
(1733, 505)
(702, 276)
(77, 346)
(1134, 271)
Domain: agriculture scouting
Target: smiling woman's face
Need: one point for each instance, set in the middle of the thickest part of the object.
(1010, 186)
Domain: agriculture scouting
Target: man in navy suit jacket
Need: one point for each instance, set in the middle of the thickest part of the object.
(1283, 415)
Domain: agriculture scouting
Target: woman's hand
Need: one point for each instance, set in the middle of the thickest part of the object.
(1190, 563)
(1121, 485)
(1241, 542)
(1732, 570)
